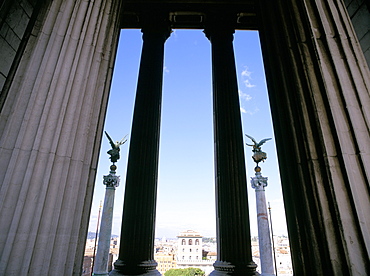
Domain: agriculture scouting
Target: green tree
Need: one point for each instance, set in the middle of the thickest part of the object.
(185, 272)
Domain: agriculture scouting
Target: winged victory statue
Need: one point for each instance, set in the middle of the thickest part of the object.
(258, 154)
(114, 151)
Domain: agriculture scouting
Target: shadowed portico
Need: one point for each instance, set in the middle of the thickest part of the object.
(59, 69)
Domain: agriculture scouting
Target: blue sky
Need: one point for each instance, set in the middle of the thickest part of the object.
(186, 172)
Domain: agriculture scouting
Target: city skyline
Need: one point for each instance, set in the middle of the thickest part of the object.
(186, 175)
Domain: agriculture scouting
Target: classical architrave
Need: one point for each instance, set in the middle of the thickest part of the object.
(51, 127)
(318, 84)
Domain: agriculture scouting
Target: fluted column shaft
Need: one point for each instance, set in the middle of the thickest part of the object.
(319, 89)
(233, 234)
(50, 132)
(136, 254)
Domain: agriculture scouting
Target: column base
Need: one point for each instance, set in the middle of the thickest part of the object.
(148, 273)
(225, 268)
(147, 268)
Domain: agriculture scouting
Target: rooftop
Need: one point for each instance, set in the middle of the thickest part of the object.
(189, 233)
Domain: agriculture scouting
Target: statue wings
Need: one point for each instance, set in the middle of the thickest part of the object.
(123, 140)
(263, 141)
(254, 141)
(259, 144)
(117, 144)
(113, 145)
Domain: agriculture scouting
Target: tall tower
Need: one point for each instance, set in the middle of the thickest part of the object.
(259, 183)
(189, 246)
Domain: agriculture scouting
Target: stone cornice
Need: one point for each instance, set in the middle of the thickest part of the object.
(189, 14)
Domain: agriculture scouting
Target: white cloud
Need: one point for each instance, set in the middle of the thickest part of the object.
(165, 70)
(244, 96)
(247, 75)
(251, 112)
(248, 84)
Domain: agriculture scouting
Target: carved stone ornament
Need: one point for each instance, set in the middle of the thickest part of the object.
(111, 180)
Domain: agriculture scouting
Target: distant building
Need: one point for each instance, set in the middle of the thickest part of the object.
(189, 246)
(165, 254)
(212, 256)
(166, 261)
(86, 267)
(283, 257)
(282, 254)
(89, 254)
(189, 252)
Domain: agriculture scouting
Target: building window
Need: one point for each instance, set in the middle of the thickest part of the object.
(189, 257)
(183, 250)
(183, 257)
(190, 249)
(190, 242)
(183, 242)
(196, 257)
(197, 242)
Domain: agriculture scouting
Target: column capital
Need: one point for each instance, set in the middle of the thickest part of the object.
(259, 182)
(111, 180)
(156, 25)
(220, 25)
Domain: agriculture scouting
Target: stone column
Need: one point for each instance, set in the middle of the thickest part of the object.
(136, 255)
(264, 239)
(234, 255)
(101, 259)
(319, 88)
(50, 133)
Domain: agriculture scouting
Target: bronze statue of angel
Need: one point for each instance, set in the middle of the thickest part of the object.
(114, 151)
(258, 155)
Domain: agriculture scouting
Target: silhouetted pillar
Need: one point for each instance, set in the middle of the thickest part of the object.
(319, 89)
(136, 255)
(51, 127)
(234, 255)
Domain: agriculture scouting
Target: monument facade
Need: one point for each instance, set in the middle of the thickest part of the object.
(57, 59)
